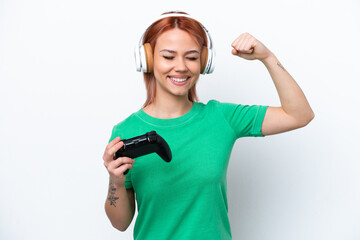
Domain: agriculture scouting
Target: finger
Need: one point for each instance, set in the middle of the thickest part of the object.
(234, 51)
(243, 39)
(120, 161)
(239, 47)
(246, 49)
(237, 40)
(120, 170)
(115, 148)
(113, 142)
(109, 153)
(244, 46)
(251, 44)
(234, 43)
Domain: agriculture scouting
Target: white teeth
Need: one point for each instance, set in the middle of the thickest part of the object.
(178, 79)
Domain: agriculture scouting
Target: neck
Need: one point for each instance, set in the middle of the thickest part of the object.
(172, 107)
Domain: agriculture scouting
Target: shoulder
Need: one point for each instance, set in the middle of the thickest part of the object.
(127, 120)
(214, 104)
(220, 104)
(123, 127)
(211, 103)
(211, 106)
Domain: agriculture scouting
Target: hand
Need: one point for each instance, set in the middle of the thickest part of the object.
(248, 47)
(116, 167)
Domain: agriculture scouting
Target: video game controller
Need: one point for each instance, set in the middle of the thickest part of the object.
(145, 144)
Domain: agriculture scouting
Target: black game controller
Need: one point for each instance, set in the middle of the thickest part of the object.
(144, 144)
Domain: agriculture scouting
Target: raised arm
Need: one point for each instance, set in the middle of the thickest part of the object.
(295, 111)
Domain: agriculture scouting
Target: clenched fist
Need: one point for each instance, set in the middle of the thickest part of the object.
(248, 47)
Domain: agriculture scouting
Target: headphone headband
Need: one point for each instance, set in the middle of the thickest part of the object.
(210, 42)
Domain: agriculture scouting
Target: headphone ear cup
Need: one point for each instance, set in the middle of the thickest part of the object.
(210, 65)
(149, 58)
(137, 58)
(143, 66)
(203, 59)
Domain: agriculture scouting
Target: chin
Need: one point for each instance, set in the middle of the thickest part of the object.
(179, 94)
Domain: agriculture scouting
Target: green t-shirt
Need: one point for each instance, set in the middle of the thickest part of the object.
(187, 197)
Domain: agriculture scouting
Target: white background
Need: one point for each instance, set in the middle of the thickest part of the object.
(67, 75)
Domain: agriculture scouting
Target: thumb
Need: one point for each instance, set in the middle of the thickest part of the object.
(235, 52)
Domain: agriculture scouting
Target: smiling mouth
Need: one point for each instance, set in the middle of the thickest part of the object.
(178, 80)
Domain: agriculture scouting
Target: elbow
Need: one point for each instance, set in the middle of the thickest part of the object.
(120, 228)
(311, 117)
(117, 222)
(307, 119)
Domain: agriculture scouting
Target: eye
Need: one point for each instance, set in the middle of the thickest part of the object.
(190, 58)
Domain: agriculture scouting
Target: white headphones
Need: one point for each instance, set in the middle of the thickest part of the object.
(144, 54)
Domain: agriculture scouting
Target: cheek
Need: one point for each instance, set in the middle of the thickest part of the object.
(195, 66)
(161, 69)
(162, 66)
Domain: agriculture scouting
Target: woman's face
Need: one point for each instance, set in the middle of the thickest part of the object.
(176, 63)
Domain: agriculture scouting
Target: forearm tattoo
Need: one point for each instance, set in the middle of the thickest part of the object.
(279, 64)
(112, 198)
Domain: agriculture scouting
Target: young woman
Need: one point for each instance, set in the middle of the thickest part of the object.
(186, 198)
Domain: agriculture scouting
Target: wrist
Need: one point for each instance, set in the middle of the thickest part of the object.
(117, 184)
(270, 58)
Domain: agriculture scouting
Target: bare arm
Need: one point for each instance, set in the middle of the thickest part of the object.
(120, 206)
(120, 203)
(295, 111)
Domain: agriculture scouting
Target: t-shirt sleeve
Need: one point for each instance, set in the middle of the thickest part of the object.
(116, 133)
(113, 135)
(245, 120)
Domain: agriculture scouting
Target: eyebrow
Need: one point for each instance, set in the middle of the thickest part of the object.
(172, 51)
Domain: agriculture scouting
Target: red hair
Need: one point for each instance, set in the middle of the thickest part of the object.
(189, 25)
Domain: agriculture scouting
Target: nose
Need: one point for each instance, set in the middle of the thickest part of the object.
(180, 65)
